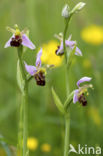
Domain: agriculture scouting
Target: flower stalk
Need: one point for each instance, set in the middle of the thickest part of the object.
(64, 37)
(23, 123)
(67, 134)
(67, 116)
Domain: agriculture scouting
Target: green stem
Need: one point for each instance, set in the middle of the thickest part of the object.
(67, 121)
(20, 133)
(25, 118)
(67, 129)
(67, 116)
(64, 37)
(67, 82)
(20, 51)
(23, 126)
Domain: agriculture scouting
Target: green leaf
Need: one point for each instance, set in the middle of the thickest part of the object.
(20, 80)
(68, 101)
(58, 102)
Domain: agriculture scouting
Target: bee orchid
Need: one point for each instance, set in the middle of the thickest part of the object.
(37, 71)
(79, 94)
(68, 43)
(19, 38)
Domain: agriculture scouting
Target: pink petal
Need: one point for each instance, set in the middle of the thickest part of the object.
(83, 79)
(30, 69)
(26, 42)
(75, 97)
(70, 43)
(60, 49)
(8, 43)
(38, 59)
(78, 52)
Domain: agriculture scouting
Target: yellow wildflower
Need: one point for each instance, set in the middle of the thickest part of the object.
(46, 147)
(93, 34)
(86, 63)
(95, 116)
(48, 56)
(32, 143)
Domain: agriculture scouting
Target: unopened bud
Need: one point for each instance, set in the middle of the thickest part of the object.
(65, 11)
(78, 7)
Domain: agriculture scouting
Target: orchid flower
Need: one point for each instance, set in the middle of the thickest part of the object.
(37, 71)
(69, 43)
(79, 94)
(19, 38)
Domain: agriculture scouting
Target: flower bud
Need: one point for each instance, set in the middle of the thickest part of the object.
(78, 7)
(65, 11)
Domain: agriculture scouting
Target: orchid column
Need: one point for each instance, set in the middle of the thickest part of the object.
(18, 40)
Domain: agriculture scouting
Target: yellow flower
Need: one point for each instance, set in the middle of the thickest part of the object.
(95, 116)
(46, 148)
(32, 143)
(86, 63)
(48, 56)
(93, 34)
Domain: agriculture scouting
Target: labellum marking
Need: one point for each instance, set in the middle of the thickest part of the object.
(40, 78)
(16, 41)
(82, 99)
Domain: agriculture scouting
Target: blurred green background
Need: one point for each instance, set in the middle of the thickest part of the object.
(46, 125)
